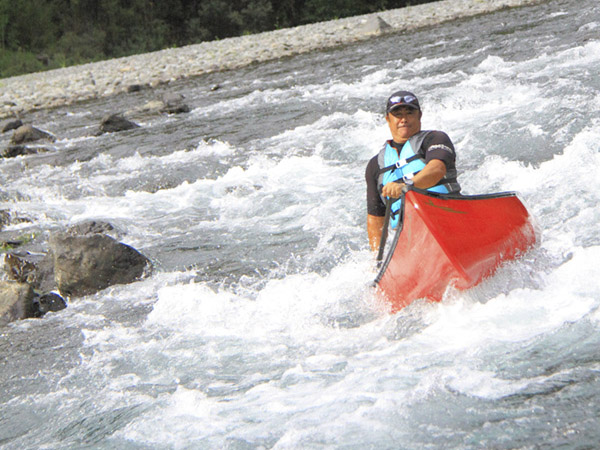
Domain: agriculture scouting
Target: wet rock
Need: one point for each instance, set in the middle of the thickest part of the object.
(9, 244)
(50, 302)
(87, 264)
(43, 279)
(18, 269)
(113, 123)
(136, 87)
(175, 104)
(20, 292)
(152, 107)
(4, 218)
(29, 133)
(22, 150)
(16, 301)
(8, 217)
(93, 227)
(169, 104)
(10, 125)
(35, 270)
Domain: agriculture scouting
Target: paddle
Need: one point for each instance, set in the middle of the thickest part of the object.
(384, 231)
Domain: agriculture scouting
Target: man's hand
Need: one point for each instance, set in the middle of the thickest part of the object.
(392, 190)
(433, 172)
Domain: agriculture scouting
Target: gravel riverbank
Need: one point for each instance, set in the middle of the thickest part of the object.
(71, 84)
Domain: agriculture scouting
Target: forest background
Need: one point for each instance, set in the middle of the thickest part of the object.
(38, 35)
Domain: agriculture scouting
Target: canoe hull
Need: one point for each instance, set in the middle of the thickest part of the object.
(451, 240)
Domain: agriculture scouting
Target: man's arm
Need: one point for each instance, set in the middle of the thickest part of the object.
(374, 230)
(375, 206)
(433, 172)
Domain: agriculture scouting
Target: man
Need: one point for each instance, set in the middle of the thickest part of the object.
(424, 159)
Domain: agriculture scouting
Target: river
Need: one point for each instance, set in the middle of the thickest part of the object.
(258, 327)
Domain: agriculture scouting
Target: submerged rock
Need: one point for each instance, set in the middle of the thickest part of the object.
(169, 104)
(151, 107)
(113, 123)
(175, 104)
(29, 133)
(22, 150)
(136, 87)
(11, 125)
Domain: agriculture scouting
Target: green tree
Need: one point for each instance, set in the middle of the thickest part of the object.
(287, 13)
(319, 10)
(29, 26)
(257, 16)
(3, 22)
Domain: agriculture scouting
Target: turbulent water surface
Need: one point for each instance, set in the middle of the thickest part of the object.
(258, 328)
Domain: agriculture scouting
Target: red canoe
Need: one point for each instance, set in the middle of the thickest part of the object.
(451, 240)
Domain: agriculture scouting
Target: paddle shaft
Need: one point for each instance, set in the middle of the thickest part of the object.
(384, 230)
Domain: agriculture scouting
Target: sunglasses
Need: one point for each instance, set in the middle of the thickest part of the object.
(407, 99)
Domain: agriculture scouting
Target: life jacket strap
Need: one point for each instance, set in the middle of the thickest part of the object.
(398, 164)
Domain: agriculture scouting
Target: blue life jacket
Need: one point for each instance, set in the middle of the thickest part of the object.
(404, 166)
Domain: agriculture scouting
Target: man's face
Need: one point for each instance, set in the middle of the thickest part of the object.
(404, 122)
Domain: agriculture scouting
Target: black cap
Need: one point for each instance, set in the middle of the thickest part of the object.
(402, 98)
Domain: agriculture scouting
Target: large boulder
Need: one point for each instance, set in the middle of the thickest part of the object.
(16, 301)
(116, 122)
(29, 133)
(87, 264)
